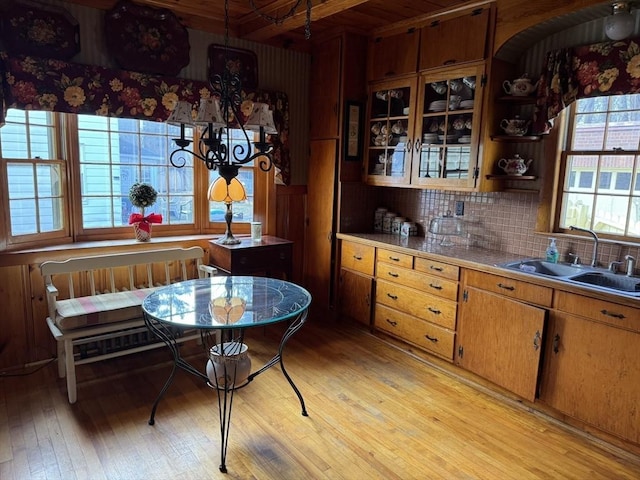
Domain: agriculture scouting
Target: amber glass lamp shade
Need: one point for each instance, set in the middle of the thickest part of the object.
(233, 191)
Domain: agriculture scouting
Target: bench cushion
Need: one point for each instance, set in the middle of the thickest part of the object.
(100, 309)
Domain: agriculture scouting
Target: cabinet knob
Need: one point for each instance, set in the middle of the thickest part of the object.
(536, 340)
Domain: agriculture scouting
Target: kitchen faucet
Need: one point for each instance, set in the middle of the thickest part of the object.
(631, 265)
(594, 258)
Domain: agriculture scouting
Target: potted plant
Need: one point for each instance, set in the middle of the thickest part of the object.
(143, 195)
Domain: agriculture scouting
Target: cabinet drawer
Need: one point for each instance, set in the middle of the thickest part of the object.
(358, 257)
(395, 258)
(524, 291)
(434, 309)
(436, 268)
(600, 310)
(431, 337)
(424, 283)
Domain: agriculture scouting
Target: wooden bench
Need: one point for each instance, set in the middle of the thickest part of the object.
(94, 303)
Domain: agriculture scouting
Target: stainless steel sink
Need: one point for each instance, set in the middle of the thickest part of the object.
(609, 280)
(542, 267)
(589, 277)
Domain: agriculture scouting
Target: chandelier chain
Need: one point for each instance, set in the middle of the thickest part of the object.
(277, 20)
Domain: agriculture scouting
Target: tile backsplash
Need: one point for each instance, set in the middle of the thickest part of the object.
(503, 221)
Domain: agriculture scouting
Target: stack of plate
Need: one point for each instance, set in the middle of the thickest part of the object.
(438, 106)
(466, 104)
(464, 139)
(448, 138)
(429, 137)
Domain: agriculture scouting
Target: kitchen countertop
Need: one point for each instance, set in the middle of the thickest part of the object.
(476, 258)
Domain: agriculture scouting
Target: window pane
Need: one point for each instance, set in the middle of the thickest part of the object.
(623, 131)
(116, 153)
(589, 131)
(23, 220)
(27, 135)
(593, 104)
(22, 182)
(580, 172)
(576, 210)
(634, 217)
(611, 214)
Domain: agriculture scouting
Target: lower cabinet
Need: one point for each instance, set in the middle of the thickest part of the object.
(419, 308)
(354, 296)
(355, 284)
(592, 366)
(500, 337)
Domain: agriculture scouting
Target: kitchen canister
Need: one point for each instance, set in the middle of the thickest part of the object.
(387, 222)
(378, 218)
(397, 224)
(408, 229)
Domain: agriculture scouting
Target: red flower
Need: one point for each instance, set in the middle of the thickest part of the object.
(24, 92)
(130, 97)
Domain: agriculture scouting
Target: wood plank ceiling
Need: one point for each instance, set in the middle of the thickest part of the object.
(364, 16)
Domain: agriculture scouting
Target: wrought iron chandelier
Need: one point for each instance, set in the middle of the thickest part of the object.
(217, 116)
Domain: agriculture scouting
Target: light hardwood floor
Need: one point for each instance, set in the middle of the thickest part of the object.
(374, 413)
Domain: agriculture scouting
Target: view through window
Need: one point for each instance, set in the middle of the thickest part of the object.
(601, 188)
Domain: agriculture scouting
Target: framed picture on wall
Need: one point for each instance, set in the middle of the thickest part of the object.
(353, 131)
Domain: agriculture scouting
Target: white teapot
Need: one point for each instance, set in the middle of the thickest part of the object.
(515, 165)
(520, 87)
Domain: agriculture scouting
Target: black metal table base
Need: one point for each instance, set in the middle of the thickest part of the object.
(225, 393)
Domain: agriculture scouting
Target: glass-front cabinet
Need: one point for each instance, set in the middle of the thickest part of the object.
(424, 131)
(388, 134)
(447, 129)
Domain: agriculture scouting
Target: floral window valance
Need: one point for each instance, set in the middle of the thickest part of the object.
(607, 68)
(33, 83)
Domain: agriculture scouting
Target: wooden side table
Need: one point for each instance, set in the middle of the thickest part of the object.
(270, 256)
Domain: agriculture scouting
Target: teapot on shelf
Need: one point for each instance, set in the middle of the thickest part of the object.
(520, 87)
(515, 165)
(515, 126)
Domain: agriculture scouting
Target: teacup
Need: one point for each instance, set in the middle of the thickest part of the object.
(439, 87)
(470, 82)
(456, 85)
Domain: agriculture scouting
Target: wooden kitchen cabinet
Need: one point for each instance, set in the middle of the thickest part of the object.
(425, 132)
(355, 283)
(464, 38)
(500, 330)
(500, 339)
(416, 307)
(388, 146)
(355, 296)
(393, 55)
(591, 370)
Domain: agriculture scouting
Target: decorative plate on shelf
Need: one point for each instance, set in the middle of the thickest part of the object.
(31, 28)
(237, 60)
(145, 39)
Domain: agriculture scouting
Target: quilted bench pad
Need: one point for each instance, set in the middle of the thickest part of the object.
(100, 309)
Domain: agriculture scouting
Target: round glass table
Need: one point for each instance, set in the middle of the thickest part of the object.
(221, 309)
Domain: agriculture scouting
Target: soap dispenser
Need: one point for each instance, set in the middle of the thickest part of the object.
(552, 251)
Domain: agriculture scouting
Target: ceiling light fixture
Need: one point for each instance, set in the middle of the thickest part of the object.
(620, 24)
(217, 116)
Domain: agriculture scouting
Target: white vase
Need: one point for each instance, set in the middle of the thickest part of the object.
(229, 367)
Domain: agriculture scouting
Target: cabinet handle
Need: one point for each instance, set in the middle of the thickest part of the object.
(437, 287)
(432, 339)
(434, 311)
(407, 148)
(556, 343)
(449, 62)
(357, 257)
(392, 323)
(611, 314)
(394, 259)
(394, 275)
(367, 300)
(536, 340)
(437, 269)
(392, 297)
(506, 287)
(417, 145)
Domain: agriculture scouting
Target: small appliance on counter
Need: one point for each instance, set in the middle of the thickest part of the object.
(446, 226)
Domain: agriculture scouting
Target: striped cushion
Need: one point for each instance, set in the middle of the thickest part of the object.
(100, 309)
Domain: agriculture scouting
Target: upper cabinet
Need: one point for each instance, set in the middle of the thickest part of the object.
(393, 55)
(455, 40)
(424, 131)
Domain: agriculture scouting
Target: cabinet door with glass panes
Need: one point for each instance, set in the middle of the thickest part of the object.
(447, 128)
(388, 132)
